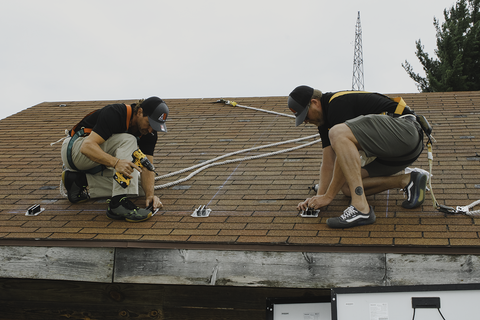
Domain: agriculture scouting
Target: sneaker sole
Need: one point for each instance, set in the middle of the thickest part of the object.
(113, 216)
(336, 225)
(351, 225)
(148, 217)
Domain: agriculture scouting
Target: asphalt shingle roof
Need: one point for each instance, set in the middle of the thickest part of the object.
(253, 202)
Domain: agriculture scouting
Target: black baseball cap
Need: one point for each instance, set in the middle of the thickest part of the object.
(299, 101)
(157, 111)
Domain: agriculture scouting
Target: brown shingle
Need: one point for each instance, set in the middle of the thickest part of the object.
(252, 202)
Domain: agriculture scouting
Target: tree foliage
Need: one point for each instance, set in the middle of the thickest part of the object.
(457, 66)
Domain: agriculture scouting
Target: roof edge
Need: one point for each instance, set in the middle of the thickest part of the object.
(440, 250)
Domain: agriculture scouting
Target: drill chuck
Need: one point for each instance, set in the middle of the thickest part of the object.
(147, 164)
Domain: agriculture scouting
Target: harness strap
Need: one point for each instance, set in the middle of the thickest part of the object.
(400, 106)
(93, 170)
(341, 93)
(129, 114)
(77, 126)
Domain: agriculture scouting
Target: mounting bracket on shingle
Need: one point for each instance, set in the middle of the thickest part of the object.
(313, 188)
(34, 210)
(201, 212)
(310, 213)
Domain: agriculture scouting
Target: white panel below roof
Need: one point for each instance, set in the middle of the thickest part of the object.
(456, 302)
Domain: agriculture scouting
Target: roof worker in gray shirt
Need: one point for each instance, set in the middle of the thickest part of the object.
(368, 140)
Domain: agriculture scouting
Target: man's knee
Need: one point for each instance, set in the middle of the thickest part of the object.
(123, 142)
(341, 133)
(125, 139)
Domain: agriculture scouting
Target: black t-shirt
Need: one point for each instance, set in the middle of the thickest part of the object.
(350, 106)
(112, 119)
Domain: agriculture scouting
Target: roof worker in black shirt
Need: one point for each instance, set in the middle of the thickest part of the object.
(102, 144)
(368, 140)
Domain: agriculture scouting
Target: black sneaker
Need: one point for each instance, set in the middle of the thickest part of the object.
(76, 185)
(351, 217)
(121, 208)
(415, 190)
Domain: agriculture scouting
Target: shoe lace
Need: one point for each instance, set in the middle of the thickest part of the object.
(350, 211)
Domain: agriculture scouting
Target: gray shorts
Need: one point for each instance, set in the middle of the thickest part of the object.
(392, 140)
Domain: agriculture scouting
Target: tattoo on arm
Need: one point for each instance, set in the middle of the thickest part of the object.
(358, 191)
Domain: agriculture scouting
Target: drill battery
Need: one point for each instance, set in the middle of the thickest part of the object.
(139, 159)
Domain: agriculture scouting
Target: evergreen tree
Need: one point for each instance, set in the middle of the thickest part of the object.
(458, 51)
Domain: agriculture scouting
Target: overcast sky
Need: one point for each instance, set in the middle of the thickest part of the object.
(59, 50)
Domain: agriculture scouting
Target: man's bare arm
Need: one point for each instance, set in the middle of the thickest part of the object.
(91, 149)
(326, 170)
(148, 185)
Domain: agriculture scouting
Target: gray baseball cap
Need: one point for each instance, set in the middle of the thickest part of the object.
(299, 102)
(157, 111)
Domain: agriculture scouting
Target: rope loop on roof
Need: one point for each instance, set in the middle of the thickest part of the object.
(212, 163)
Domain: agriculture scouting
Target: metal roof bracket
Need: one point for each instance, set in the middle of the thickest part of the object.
(310, 213)
(34, 210)
(201, 212)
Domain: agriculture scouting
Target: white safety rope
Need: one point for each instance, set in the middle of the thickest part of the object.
(67, 134)
(212, 162)
(234, 104)
(441, 207)
(466, 209)
(234, 153)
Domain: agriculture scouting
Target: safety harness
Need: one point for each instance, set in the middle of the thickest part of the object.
(78, 132)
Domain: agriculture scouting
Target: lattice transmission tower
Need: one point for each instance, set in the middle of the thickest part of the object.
(357, 80)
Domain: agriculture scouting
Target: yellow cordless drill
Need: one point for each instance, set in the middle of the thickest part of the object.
(141, 160)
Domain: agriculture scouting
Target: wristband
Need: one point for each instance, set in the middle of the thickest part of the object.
(115, 163)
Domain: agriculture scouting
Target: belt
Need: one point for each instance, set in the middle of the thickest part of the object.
(409, 117)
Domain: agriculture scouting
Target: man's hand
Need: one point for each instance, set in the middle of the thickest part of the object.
(153, 201)
(315, 202)
(126, 168)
